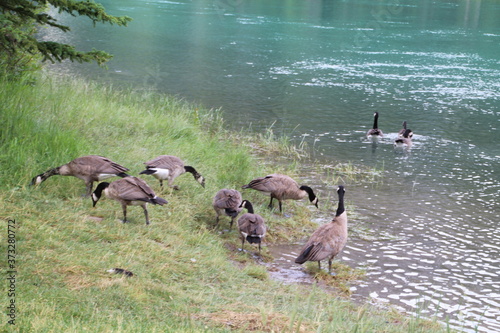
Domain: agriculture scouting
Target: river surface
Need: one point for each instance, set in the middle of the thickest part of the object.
(317, 71)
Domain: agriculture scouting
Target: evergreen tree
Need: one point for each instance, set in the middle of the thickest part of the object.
(18, 22)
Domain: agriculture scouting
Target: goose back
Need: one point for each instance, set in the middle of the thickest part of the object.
(251, 226)
(227, 202)
(93, 168)
(279, 186)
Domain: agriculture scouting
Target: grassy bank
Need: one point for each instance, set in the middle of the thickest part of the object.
(188, 277)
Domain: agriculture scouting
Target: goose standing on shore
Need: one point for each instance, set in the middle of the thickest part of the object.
(282, 187)
(128, 191)
(251, 226)
(375, 132)
(329, 239)
(227, 202)
(167, 167)
(91, 168)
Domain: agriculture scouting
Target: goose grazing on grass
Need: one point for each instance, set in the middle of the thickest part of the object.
(227, 202)
(282, 187)
(405, 140)
(167, 167)
(251, 226)
(375, 131)
(128, 191)
(90, 168)
(329, 239)
(403, 130)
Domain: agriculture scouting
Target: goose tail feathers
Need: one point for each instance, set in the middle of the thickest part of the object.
(158, 201)
(303, 257)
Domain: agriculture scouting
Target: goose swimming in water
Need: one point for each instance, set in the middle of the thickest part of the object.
(375, 131)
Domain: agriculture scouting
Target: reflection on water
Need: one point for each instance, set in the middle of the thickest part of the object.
(425, 248)
(283, 267)
(318, 70)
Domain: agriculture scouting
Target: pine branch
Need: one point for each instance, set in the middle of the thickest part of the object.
(17, 36)
(53, 52)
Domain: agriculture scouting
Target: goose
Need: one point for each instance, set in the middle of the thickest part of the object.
(375, 131)
(91, 168)
(329, 239)
(282, 187)
(403, 130)
(227, 202)
(251, 226)
(167, 167)
(404, 140)
(128, 191)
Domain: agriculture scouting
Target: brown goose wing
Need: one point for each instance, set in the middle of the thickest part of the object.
(271, 183)
(132, 188)
(165, 162)
(226, 198)
(251, 225)
(244, 222)
(94, 164)
(258, 227)
(311, 252)
(322, 244)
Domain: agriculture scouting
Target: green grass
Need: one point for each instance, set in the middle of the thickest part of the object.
(189, 276)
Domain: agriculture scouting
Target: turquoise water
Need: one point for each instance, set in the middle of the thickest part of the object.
(317, 71)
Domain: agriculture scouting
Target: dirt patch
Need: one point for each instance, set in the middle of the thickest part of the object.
(94, 218)
(249, 322)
